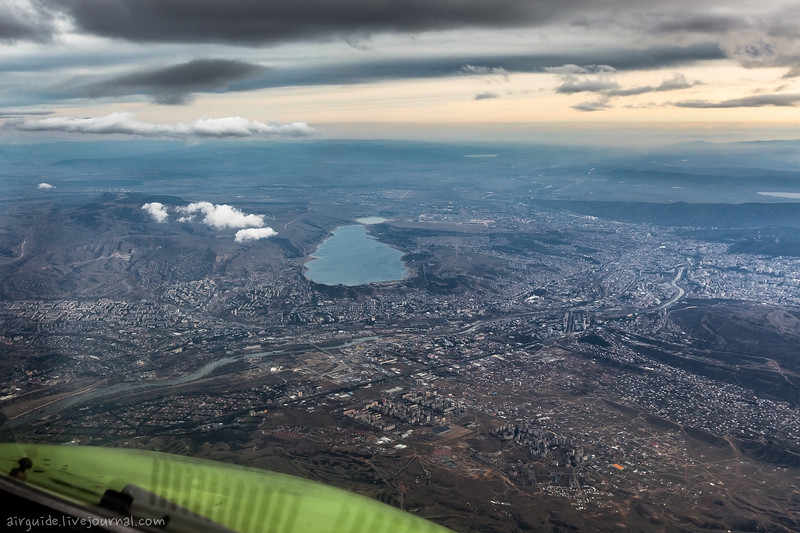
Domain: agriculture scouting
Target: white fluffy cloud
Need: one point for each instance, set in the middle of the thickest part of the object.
(45, 186)
(157, 210)
(253, 234)
(221, 216)
(217, 216)
(125, 124)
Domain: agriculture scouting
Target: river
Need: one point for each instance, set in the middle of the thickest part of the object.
(127, 387)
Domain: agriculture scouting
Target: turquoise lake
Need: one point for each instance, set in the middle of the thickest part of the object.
(352, 257)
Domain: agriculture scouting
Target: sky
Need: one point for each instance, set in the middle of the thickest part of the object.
(482, 69)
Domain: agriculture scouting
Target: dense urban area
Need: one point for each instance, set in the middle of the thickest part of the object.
(539, 368)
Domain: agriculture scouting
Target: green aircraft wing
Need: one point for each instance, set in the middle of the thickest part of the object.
(201, 494)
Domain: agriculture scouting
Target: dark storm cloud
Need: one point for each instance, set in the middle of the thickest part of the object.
(756, 35)
(259, 22)
(759, 100)
(19, 22)
(702, 23)
(656, 56)
(176, 83)
(366, 71)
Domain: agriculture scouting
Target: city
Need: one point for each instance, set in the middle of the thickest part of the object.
(549, 367)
